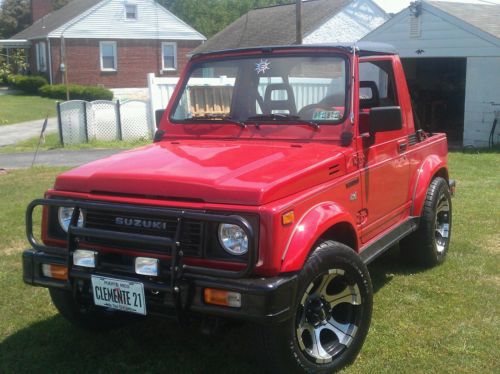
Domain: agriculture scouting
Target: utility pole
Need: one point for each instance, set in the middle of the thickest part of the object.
(298, 20)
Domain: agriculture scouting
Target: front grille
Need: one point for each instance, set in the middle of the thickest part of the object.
(191, 237)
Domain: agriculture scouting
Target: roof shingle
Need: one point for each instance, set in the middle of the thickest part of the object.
(52, 21)
(272, 25)
(482, 16)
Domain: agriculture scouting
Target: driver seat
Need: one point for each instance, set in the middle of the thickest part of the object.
(287, 104)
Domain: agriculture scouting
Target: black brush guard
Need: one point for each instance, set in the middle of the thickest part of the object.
(178, 270)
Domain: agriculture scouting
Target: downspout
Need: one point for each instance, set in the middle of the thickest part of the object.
(159, 48)
(65, 65)
(50, 60)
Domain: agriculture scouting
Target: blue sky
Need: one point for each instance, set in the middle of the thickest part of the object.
(394, 6)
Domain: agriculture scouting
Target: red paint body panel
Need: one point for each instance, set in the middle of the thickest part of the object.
(274, 169)
(425, 166)
(385, 173)
(214, 171)
(317, 220)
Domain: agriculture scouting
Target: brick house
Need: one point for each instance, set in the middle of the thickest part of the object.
(113, 43)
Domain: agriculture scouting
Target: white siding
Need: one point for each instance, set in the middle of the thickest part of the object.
(440, 36)
(349, 25)
(107, 21)
(482, 99)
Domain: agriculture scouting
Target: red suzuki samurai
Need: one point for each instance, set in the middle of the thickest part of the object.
(275, 176)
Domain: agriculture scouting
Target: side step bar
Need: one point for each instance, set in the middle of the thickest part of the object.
(380, 245)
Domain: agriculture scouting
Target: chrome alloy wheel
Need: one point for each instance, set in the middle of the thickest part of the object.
(442, 223)
(328, 316)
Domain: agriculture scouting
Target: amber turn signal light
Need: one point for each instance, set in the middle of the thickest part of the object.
(55, 271)
(288, 218)
(222, 297)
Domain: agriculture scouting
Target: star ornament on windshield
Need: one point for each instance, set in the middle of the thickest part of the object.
(262, 66)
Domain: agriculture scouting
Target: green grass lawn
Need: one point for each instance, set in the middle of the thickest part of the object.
(443, 320)
(52, 142)
(22, 108)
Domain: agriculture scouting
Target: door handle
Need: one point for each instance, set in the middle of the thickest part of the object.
(402, 146)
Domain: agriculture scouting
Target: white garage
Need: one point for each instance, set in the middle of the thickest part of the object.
(451, 55)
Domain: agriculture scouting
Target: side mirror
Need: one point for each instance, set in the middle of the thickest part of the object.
(158, 115)
(385, 119)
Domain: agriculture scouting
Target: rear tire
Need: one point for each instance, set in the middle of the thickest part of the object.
(429, 245)
(88, 316)
(331, 318)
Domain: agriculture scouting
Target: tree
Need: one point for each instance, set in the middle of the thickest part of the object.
(16, 64)
(211, 16)
(15, 16)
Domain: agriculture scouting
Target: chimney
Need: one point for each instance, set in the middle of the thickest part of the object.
(40, 8)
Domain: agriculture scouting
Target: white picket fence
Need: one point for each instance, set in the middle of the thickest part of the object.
(306, 90)
(160, 91)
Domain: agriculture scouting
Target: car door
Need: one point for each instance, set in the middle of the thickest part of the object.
(384, 166)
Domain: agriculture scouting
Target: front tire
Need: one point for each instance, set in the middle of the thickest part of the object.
(331, 318)
(429, 245)
(88, 316)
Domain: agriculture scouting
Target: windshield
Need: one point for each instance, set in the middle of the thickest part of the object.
(300, 89)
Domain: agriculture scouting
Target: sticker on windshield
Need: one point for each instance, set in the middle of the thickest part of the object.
(327, 115)
(262, 66)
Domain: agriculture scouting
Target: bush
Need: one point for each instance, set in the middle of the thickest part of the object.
(26, 83)
(6, 78)
(76, 92)
(11, 79)
(4, 73)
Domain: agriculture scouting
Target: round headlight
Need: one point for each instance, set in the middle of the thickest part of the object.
(65, 214)
(233, 239)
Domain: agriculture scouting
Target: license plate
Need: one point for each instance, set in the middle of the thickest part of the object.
(119, 294)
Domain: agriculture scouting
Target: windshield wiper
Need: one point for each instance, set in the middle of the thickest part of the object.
(273, 117)
(215, 117)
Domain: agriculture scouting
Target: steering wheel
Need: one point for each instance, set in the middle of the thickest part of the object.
(307, 112)
(328, 103)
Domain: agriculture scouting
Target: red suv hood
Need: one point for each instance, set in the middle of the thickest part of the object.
(248, 172)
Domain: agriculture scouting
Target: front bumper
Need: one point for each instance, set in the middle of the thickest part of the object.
(263, 300)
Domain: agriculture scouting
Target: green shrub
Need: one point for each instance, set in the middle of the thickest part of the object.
(26, 83)
(11, 79)
(31, 84)
(76, 92)
(4, 73)
(57, 91)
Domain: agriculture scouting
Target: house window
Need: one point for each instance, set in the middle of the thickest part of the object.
(130, 11)
(169, 53)
(41, 56)
(108, 56)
